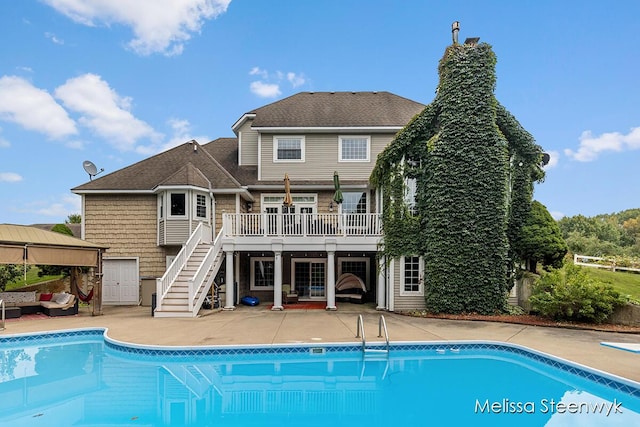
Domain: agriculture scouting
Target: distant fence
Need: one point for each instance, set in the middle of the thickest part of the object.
(600, 262)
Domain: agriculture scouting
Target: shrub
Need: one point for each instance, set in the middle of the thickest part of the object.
(9, 273)
(570, 294)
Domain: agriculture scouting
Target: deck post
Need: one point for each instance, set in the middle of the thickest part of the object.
(277, 275)
(331, 275)
(229, 278)
(381, 293)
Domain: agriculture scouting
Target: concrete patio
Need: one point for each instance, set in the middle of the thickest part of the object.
(259, 325)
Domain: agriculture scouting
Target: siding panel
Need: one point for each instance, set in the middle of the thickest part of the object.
(321, 159)
(248, 145)
(404, 303)
(128, 225)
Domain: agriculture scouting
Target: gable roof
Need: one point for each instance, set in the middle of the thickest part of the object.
(187, 175)
(186, 164)
(335, 110)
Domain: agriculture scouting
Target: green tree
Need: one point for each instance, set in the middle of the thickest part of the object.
(603, 235)
(62, 229)
(541, 240)
(74, 219)
(9, 273)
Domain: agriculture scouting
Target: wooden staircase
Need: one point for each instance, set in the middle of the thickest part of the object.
(183, 288)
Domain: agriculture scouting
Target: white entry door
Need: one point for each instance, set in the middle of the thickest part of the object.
(120, 282)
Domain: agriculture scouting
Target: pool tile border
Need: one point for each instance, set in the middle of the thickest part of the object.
(599, 377)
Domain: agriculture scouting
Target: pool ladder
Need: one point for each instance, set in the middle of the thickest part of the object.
(382, 327)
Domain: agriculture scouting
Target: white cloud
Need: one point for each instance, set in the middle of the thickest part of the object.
(75, 144)
(53, 38)
(296, 79)
(64, 206)
(265, 90)
(33, 108)
(181, 133)
(270, 83)
(257, 71)
(591, 146)
(104, 111)
(158, 25)
(10, 177)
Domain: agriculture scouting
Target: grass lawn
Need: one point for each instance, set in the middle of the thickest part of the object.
(625, 283)
(32, 278)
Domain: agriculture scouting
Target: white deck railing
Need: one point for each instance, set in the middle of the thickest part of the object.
(197, 282)
(202, 233)
(301, 225)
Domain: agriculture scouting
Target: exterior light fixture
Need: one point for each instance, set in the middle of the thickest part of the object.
(249, 206)
(331, 206)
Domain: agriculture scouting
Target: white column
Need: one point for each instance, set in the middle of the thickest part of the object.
(331, 276)
(381, 293)
(229, 280)
(276, 247)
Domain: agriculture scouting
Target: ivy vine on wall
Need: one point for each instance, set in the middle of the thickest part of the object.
(474, 167)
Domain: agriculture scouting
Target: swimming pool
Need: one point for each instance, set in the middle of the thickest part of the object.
(81, 377)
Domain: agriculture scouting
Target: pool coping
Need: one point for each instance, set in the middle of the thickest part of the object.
(603, 378)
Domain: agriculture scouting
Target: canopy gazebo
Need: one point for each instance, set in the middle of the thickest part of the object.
(24, 245)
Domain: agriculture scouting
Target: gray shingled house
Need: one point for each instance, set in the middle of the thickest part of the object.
(201, 217)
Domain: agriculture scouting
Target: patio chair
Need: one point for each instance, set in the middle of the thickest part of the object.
(289, 296)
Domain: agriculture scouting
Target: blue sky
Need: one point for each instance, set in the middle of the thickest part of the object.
(115, 81)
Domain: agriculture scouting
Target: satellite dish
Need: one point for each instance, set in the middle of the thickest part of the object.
(545, 159)
(91, 169)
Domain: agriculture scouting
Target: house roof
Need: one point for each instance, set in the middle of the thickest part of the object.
(188, 175)
(336, 110)
(186, 164)
(225, 151)
(76, 229)
(215, 165)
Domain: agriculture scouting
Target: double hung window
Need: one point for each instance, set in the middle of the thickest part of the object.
(354, 149)
(288, 149)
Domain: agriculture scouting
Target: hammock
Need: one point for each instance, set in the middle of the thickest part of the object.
(85, 297)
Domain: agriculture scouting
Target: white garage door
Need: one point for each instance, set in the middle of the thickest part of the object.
(120, 282)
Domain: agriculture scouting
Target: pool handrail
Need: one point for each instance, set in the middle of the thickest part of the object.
(2, 308)
(360, 327)
(382, 325)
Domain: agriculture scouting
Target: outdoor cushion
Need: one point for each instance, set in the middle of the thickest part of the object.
(18, 297)
(61, 298)
(46, 297)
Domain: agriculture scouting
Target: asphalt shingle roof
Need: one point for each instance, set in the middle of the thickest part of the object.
(168, 167)
(338, 109)
(216, 163)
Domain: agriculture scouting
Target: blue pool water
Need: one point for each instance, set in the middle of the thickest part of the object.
(80, 378)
